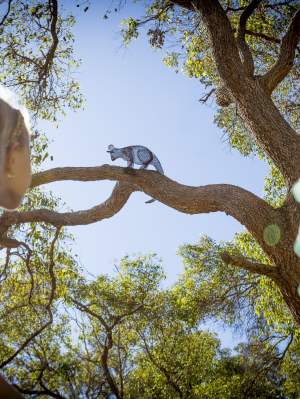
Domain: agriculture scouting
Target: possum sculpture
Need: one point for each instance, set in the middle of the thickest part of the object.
(136, 154)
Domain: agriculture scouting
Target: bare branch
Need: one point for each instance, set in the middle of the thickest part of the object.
(97, 316)
(206, 96)
(286, 56)
(234, 201)
(263, 36)
(7, 13)
(119, 319)
(243, 46)
(250, 265)
(45, 392)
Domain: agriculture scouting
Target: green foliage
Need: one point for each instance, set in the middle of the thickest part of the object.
(129, 30)
(43, 80)
(209, 288)
(63, 334)
(153, 352)
(275, 188)
(191, 53)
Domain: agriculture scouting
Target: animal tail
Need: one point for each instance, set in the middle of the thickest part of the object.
(155, 162)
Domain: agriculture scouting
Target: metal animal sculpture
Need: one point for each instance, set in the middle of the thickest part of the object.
(136, 154)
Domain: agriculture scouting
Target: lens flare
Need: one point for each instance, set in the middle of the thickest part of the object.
(297, 244)
(272, 234)
(296, 191)
(296, 194)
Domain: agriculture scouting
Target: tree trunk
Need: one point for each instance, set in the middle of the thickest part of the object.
(264, 120)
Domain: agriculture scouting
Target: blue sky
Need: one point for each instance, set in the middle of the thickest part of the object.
(132, 98)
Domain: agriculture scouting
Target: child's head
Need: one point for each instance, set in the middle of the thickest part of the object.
(15, 169)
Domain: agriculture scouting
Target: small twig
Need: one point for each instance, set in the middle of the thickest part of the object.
(206, 96)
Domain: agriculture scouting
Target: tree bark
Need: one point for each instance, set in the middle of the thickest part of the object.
(274, 135)
(235, 201)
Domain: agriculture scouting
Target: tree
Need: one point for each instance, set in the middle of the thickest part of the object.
(244, 76)
(250, 68)
(131, 341)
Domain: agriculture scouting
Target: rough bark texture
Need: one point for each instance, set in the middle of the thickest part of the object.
(235, 201)
(252, 94)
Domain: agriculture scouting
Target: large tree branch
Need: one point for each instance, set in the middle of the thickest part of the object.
(243, 46)
(251, 211)
(250, 265)
(99, 212)
(234, 201)
(286, 56)
(225, 50)
(273, 133)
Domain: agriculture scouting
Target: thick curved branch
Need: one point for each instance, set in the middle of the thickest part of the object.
(250, 265)
(243, 46)
(251, 211)
(225, 50)
(286, 56)
(99, 212)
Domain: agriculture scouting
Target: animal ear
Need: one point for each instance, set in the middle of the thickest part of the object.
(111, 147)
